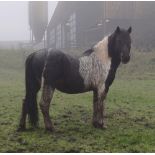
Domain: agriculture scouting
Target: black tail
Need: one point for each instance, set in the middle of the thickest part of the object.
(32, 85)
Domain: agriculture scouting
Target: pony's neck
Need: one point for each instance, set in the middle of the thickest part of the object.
(101, 50)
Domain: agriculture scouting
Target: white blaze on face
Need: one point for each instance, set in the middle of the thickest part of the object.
(94, 68)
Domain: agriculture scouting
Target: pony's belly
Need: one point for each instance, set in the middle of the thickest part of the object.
(69, 91)
(69, 87)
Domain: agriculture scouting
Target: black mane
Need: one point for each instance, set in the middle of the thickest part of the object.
(88, 52)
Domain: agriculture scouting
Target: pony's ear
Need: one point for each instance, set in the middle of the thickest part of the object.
(117, 30)
(130, 29)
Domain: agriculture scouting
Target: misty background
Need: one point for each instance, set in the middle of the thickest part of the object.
(74, 24)
(14, 20)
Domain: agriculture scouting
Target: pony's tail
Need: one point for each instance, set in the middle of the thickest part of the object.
(32, 86)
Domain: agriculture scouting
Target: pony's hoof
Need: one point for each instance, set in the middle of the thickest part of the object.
(50, 129)
(21, 129)
(99, 126)
(104, 127)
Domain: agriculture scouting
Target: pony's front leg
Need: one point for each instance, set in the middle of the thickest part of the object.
(47, 94)
(99, 109)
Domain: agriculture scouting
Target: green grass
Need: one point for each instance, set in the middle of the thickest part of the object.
(130, 112)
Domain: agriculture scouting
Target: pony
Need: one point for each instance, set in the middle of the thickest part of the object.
(93, 71)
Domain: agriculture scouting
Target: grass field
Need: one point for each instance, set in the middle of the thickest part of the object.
(130, 112)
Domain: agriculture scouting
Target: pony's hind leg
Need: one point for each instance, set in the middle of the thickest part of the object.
(22, 123)
(29, 107)
(47, 94)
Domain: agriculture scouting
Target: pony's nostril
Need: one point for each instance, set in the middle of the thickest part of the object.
(129, 54)
(125, 58)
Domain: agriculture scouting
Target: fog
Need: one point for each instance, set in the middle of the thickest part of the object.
(14, 20)
(87, 26)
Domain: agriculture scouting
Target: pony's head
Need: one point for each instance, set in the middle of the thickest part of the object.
(120, 44)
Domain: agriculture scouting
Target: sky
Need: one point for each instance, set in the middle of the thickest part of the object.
(14, 19)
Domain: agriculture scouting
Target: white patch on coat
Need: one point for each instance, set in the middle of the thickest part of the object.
(42, 81)
(101, 50)
(94, 68)
(42, 77)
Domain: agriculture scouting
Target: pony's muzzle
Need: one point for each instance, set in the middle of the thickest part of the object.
(125, 59)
